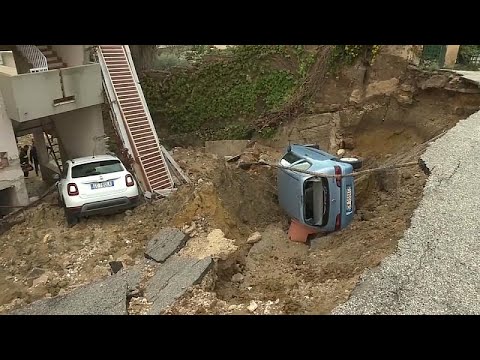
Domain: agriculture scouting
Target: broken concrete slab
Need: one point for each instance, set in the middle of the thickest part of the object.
(224, 148)
(106, 297)
(132, 278)
(165, 243)
(172, 279)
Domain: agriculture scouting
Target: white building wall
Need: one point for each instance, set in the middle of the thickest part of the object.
(76, 130)
(11, 175)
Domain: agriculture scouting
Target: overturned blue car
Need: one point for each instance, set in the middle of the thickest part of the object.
(324, 204)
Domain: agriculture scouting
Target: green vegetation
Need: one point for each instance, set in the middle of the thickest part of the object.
(221, 86)
(468, 57)
(348, 54)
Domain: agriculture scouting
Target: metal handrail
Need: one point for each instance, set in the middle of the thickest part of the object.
(35, 57)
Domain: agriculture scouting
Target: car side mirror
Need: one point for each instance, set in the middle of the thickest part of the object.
(56, 177)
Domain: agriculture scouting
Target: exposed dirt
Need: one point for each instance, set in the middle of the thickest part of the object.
(294, 278)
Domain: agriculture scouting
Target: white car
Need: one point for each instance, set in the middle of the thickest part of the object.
(95, 185)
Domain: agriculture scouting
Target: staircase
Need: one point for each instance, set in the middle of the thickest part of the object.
(52, 142)
(132, 117)
(53, 60)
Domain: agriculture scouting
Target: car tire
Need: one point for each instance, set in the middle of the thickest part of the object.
(72, 220)
(59, 200)
(355, 162)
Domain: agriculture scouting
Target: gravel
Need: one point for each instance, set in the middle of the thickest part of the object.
(435, 269)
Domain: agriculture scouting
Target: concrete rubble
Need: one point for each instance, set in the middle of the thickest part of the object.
(151, 285)
(165, 243)
(172, 279)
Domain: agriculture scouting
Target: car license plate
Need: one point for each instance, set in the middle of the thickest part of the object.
(349, 198)
(102, 185)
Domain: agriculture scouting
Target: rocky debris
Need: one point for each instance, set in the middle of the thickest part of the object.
(165, 243)
(435, 81)
(47, 238)
(341, 152)
(384, 88)
(139, 306)
(215, 245)
(115, 266)
(356, 96)
(101, 271)
(232, 158)
(466, 110)
(35, 273)
(365, 215)
(348, 118)
(126, 259)
(252, 307)
(407, 88)
(106, 297)
(200, 301)
(224, 148)
(40, 280)
(315, 129)
(172, 279)
(347, 143)
(148, 195)
(404, 99)
(188, 230)
(238, 278)
(255, 237)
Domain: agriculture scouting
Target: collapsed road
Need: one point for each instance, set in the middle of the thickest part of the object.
(158, 283)
(435, 268)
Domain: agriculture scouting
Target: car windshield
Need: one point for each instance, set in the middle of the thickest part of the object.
(295, 162)
(96, 168)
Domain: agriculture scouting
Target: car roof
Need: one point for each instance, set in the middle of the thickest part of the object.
(89, 159)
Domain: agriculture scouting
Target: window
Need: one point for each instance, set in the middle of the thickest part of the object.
(295, 162)
(96, 168)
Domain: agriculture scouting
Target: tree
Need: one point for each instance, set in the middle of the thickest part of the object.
(143, 56)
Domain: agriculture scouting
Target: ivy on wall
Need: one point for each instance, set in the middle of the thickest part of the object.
(250, 80)
(348, 54)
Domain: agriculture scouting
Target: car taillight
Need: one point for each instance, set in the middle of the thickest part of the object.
(129, 180)
(338, 222)
(72, 189)
(338, 175)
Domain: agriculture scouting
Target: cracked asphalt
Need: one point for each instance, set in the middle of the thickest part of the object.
(435, 269)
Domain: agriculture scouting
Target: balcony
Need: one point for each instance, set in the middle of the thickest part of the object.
(36, 95)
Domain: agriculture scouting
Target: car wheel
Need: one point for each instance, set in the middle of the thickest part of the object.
(59, 199)
(355, 162)
(72, 220)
